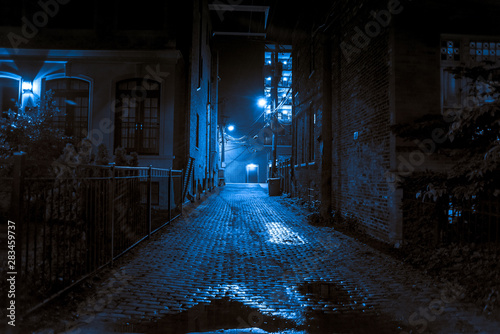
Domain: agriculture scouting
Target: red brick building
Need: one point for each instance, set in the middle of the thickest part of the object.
(362, 66)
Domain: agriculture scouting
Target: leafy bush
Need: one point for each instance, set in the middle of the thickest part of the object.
(122, 159)
(30, 131)
(472, 142)
(472, 146)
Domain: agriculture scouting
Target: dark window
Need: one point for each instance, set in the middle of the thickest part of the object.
(304, 136)
(137, 116)
(9, 94)
(72, 100)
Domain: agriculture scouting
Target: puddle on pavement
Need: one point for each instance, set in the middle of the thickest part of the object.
(219, 314)
(327, 308)
(331, 308)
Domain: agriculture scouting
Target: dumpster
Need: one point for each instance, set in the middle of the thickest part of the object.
(274, 185)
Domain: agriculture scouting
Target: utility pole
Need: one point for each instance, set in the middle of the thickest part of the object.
(223, 133)
(274, 120)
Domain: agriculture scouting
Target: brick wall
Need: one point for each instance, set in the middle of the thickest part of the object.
(385, 70)
(361, 118)
(308, 107)
(201, 99)
(362, 91)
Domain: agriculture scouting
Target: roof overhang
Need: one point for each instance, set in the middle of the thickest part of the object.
(230, 28)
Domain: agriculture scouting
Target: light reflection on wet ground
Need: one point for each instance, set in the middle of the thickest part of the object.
(280, 234)
(242, 260)
(325, 308)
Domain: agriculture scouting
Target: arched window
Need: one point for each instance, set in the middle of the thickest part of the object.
(9, 94)
(137, 116)
(72, 100)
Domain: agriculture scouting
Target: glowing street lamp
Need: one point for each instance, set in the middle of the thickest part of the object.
(230, 128)
(262, 102)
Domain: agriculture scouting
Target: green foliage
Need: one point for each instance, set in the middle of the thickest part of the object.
(102, 155)
(133, 161)
(30, 131)
(122, 159)
(472, 142)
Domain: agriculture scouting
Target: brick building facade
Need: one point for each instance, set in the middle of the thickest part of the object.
(376, 64)
(138, 77)
(202, 96)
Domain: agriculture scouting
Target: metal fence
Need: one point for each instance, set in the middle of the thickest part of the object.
(451, 221)
(475, 220)
(284, 170)
(70, 226)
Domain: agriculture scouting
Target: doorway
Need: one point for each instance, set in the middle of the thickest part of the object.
(252, 173)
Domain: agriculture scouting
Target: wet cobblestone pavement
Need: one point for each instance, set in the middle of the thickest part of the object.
(244, 261)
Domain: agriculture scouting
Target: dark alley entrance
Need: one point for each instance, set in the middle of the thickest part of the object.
(252, 173)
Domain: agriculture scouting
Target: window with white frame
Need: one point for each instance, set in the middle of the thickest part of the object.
(71, 96)
(461, 52)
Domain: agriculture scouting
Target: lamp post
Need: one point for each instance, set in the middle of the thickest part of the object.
(223, 148)
(223, 133)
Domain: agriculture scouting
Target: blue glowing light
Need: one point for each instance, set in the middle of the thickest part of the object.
(27, 85)
(230, 128)
(262, 102)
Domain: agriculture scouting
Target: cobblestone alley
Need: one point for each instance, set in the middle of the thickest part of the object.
(245, 262)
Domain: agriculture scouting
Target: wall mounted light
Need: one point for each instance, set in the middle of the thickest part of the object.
(27, 87)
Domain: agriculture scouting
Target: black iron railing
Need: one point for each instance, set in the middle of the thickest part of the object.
(449, 220)
(284, 173)
(70, 226)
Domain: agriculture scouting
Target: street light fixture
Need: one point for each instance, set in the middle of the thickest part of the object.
(262, 102)
(230, 128)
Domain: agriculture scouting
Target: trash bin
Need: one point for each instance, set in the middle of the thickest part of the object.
(274, 185)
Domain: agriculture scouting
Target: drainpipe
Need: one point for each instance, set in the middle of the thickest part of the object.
(274, 120)
(208, 145)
